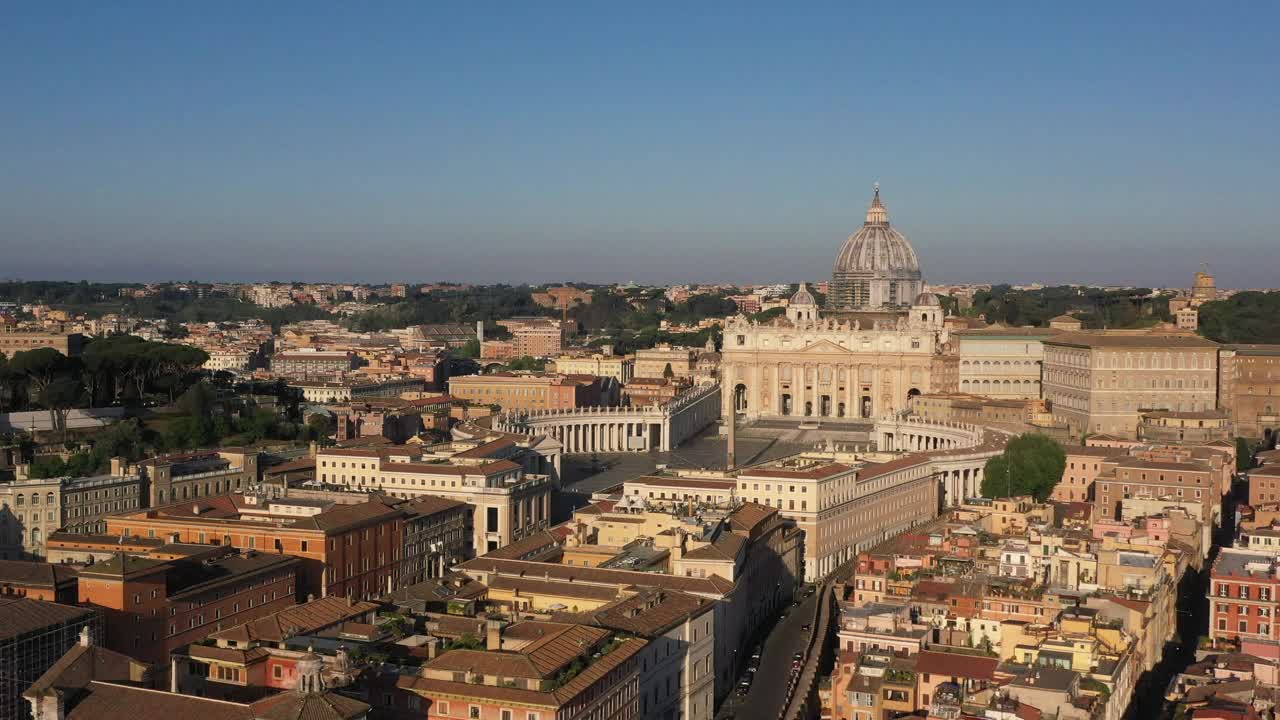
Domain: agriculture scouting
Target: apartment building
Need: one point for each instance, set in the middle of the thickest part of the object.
(346, 549)
(527, 391)
(1264, 486)
(1084, 462)
(1249, 389)
(672, 684)
(198, 474)
(1244, 595)
(652, 362)
(345, 391)
(537, 337)
(1099, 382)
(16, 341)
(153, 607)
(843, 507)
(508, 503)
(308, 363)
(1138, 477)
(619, 368)
(496, 683)
(35, 508)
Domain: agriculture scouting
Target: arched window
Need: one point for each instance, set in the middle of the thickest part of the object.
(35, 536)
(21, 500)
(35, 498)
(48, 498)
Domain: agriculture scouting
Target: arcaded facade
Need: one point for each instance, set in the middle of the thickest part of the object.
(864, 358)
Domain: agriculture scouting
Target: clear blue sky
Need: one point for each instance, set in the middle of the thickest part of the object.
(540, 141)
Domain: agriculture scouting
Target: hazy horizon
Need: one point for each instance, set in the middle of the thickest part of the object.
(657, 144)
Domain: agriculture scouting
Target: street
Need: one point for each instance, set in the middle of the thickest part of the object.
(767, 693)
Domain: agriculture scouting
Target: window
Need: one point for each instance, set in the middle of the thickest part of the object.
(473, 712)
(442, 707)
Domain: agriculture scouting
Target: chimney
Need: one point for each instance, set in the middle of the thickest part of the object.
(118, 466)
(85, 640)
(433, 647)
(313, 449)
(493, 634)
(479, 331)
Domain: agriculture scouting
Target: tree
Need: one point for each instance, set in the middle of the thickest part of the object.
(471, 349)
(525, 362)
(667, 372)
(40, 367)
(320, 427)
(1031, 464)
(197, 401)
(59, 396)
(1244, 455)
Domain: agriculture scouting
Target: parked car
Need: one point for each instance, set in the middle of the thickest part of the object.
(806, 627)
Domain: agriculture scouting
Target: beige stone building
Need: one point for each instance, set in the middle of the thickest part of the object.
(1099, 382)
(620, 368)
(653, 362)
(16, 341)
(537, 337)
(1002, 362)
(826, 367)
(508, 502)
(865, 357)
(1249, 389)
(527, 391)
(843, 506)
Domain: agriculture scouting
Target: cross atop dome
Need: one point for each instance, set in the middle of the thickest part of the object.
(877, 213)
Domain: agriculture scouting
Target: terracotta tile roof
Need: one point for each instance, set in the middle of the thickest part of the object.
(298, 620)
(817, 472)
(35, 574)
(649, 613)
(485, 662)
(19, 616)
(554, 650)
(714, 585)
(227, 654)
(531, 585)
(726, 547)
(106, 701)
(977, 667)
(312, 706)
(83, 664)
(679, 482)
(431, 687)
(875, 470)
(291, 466)
(1142, 340)
(535, 545)
(423, 505)
(749, 515)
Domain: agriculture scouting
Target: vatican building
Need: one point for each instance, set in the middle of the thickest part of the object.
(863, 355)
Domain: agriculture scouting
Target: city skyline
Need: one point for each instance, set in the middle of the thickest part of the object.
(401, 143)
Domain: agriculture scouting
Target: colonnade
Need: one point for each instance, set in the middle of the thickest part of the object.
(621, 429)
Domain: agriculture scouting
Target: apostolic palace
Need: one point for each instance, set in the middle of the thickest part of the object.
(863, 356)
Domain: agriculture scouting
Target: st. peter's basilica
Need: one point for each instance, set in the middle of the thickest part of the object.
(862, 356)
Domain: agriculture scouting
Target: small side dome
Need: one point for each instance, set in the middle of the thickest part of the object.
(927, 299)
(803, 296)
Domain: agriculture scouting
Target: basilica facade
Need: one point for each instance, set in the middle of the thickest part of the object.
(862, 356)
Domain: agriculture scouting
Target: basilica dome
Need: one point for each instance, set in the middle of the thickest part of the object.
(876, 267)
